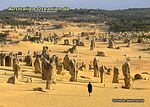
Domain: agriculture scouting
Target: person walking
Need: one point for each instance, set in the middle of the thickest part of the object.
(89, 88)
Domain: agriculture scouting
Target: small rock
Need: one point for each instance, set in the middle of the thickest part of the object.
(137, 76)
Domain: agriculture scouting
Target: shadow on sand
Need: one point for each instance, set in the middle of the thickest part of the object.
(6, 69)
(33, 76)
(68, 95)
(140, 88)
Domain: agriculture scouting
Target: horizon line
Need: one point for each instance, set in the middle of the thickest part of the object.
(85, 8)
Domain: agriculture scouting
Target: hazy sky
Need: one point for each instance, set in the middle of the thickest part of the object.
(102, 4)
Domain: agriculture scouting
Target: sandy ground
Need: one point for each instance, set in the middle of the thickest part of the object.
(74, 94)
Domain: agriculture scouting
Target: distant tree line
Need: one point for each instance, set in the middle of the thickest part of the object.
(136, 19)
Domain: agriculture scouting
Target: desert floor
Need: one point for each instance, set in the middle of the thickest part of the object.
(74, 94)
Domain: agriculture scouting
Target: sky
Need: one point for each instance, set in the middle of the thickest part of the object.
(102, 4)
